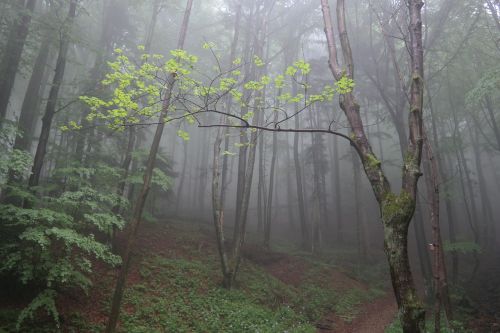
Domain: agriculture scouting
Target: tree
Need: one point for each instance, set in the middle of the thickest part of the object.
(50, 109)
(12, 55)
(148, 174)
(396, 209)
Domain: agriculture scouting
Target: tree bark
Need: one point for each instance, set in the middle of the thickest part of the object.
(50, 109)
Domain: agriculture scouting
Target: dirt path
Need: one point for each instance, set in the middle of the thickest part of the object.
(374, 317)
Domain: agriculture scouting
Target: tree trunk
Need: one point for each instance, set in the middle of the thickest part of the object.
(132, 133)
(12, 56)
(304, 229)
(337, 193)
(30, 106)
(52, 101)
(148, 174)
(272, 172)
(218, 214)
(289, 201)
(183, 177)
(440, 278)
(360, 230)
(261, 189)
(423, 254)
(396, 209)
(489, 231)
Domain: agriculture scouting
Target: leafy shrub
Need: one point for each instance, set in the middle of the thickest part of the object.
(50, 245)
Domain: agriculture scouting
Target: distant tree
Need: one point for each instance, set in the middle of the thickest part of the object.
(12, 54)
(50, 108)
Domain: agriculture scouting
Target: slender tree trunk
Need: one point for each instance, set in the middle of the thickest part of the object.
(304, 229)
(239, 237)
(489, 231)
(337, 191)
(12, 56)
(423, 254)
(105, 44)
(450, 213)
(53, 98)
(148, 174)
(249, 69)
(261, 189)
(272, 172)
(183, 177)
(232, 56)
(289, 200)
(219, 178)
(452, 229)
(218, 213)
(30, 106)
(439, 269)
(132, 133)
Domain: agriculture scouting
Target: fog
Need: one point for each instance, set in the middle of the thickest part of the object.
(267, 131)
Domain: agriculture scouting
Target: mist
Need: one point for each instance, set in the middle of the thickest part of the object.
(249, 166)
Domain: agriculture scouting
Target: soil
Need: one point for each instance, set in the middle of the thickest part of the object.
(374, 317)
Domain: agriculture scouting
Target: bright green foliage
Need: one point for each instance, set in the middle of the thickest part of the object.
(303, 66)
(183, 135)
(258, 61)
(137, 90)
(345, 85)
(248, 116)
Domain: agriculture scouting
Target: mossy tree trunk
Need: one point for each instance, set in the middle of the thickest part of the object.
(396, 209)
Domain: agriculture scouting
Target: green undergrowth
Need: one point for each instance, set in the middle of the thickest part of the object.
(178, 295)
(178, 290)
(458, 327)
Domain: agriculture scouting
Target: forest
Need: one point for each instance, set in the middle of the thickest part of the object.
(249, 166)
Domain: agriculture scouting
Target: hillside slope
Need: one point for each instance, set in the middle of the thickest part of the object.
(174, 287)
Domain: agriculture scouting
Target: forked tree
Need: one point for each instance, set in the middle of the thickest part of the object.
(396, 208)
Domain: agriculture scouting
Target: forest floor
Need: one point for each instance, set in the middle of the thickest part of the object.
(174, 283)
